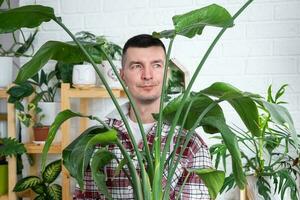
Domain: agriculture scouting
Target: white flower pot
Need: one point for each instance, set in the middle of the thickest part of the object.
(109, 74)
(50, 109)
(84, 75)
(6, 75)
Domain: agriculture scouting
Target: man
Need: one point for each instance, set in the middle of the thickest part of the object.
(142, 71)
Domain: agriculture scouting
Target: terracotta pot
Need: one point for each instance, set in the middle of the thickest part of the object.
(40, 133)
(3, 179)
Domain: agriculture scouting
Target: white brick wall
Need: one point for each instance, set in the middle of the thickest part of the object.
(262, 48)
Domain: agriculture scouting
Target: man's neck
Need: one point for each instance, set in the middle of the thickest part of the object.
(145, 112)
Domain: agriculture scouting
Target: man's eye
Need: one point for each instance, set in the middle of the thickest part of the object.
(136, 66)
(157, 65)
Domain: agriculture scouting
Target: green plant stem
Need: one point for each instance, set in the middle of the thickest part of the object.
(135, 180)
(136, 112)
(183, 184)
(187, 139)
(135, 146)
(157, 192)
(100, 121)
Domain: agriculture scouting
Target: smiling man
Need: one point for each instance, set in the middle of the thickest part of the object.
(142, 71)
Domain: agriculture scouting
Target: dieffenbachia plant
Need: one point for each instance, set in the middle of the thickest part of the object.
(190, 110)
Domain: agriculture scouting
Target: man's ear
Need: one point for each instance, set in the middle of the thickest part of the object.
(122, 74)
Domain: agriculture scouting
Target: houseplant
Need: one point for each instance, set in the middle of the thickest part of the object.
(8, 147)
(272, 159)
(20, 46)
(41, 110)
(209, 115)
(43, 186)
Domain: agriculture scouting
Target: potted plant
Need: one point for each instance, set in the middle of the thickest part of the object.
(271, 161)
(8, 147)
(190, 110)
(42, 109)
(43, 186)
(20, 46)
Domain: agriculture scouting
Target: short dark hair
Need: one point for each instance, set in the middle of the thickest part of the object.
(142, 41)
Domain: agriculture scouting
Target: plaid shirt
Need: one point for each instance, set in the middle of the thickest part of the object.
(196, 155)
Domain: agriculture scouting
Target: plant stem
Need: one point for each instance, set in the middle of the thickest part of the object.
(157, 192)
(135, 180)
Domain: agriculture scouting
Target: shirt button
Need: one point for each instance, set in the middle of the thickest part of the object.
(129, 187)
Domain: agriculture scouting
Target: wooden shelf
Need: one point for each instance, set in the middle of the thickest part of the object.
(96, 92)
(38, 148)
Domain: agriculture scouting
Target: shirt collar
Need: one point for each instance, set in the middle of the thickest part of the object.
(115, 114)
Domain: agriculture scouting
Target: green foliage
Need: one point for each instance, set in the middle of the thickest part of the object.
(274, 154)
(207, 113)
(42, 186)
(11, 21)
(212, 178)
(11, 147)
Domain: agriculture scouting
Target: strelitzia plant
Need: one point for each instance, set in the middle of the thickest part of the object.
(189, 111)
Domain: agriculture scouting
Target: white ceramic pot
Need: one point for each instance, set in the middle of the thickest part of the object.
(6, 75)
(109, 74)
(50, 109)
(84, 75)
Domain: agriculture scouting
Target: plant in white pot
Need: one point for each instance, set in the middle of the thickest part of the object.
(19, 46)
(42, 109)
(270, 161)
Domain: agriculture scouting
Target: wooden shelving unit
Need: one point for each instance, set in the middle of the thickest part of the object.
(68, 93)
(12, 163)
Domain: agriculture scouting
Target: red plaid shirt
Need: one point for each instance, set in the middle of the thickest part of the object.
(196, 155)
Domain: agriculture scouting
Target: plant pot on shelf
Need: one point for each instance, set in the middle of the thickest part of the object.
(40, 133)
(3, 178)
(109, 74)
(6, 75)
(84, 76)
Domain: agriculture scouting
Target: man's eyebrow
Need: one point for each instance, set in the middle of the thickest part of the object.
(158, 61)
(134, 62)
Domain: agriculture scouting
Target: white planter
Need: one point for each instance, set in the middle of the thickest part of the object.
(50, 109)
(109, 74)
(84, 75)
(6, 75)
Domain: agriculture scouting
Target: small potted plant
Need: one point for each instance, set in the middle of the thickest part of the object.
(8, 147)
(42, 109)
(19, 46)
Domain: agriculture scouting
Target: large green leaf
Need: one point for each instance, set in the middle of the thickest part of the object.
(55, 50)
(240, 101)
(77, 155)
(212, 178)
(51, 171)
(55, 192)
(284, 180)
(193, 22)
(25, 16)
(59, 119)
(101, 158)
(26, 183)
(199, 104)
(231, 143)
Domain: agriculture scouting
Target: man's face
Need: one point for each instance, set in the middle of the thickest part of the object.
(142, 72)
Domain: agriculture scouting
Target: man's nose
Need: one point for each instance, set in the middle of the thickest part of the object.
(147, 73)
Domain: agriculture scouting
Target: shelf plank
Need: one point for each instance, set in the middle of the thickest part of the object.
(38, 148)
(96, 92)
